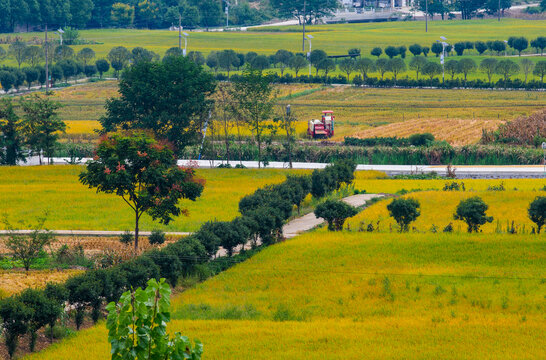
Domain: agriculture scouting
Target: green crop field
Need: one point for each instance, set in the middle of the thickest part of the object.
(335, 39)
(27, 192)
(358, 295)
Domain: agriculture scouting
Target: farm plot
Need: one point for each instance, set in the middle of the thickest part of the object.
(337, 39)
(27, 192)
(508, 208)
(354, 296)
(359, 110)
(12, 282)
(456, 116)
(83, 105)
(392, 186)
(454, 131)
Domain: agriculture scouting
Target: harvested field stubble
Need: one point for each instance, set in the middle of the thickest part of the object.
(454, 131)
(364, 111)
(14, 281)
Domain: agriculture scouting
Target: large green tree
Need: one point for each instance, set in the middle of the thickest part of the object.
(228, 60)
(170, 98)
(18, 50)
(404, 211)
(119, 58)
(210, 13)
(144, 173)
(80, 12)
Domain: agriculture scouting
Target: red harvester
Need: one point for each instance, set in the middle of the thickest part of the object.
(323, 128)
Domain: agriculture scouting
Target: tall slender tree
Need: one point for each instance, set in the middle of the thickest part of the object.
(255, 97)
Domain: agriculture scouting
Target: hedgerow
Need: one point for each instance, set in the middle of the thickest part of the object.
(263, 215)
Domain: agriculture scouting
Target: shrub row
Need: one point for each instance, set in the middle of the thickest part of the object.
(263, 215)
(402, 82)
(441, 153)
(415, 140)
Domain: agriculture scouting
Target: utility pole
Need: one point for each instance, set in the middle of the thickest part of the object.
(288, 127)
(227, 13)
(303, 39)
(426, 15)
(179, 31)
(46, 62)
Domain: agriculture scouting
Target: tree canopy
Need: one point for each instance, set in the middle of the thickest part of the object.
(144, 173)
(170, 98)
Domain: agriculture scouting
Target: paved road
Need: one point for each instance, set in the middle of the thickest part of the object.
(310, 221)
(462, 172)
(290, 230)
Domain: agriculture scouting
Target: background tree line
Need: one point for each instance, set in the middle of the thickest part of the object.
(468, 9)
(127, 13)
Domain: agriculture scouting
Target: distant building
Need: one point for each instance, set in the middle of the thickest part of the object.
(364, 4)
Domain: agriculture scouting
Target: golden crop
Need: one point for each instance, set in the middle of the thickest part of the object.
(454, 131)
(358, 295)
(26, 192)
(457, 116)
(438, 207)
(12, 282)
(391, 186)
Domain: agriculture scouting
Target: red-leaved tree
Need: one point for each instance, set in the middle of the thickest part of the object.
(144, 173)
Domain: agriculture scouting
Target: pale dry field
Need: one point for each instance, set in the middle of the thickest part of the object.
(454, 131)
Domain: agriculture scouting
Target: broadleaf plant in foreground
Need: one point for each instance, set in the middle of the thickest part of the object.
(137, 326)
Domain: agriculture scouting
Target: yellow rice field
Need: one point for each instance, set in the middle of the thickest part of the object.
(438, 207)
(358, 295)
(456, 116)
(27, 192)
(391, 186)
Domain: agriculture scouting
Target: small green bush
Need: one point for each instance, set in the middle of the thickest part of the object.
(404, 211)
(126, 238)
(537, 212)
(149, 318)
(335, 212)
(421, 139)
(472, 211)
(157, 237)
(499, 187)
(448, 228)
(454, 186)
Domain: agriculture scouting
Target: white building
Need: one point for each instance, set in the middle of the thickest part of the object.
(361, 4)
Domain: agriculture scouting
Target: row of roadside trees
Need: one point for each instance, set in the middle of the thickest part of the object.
(494, 47)
(506, 68)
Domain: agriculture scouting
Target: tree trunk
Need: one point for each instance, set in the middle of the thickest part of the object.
(240, 141)
(137, 218)
(289, 147)
(258, 139)
(226, 134)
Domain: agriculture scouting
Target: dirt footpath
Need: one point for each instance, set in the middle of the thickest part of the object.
(310, 221)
